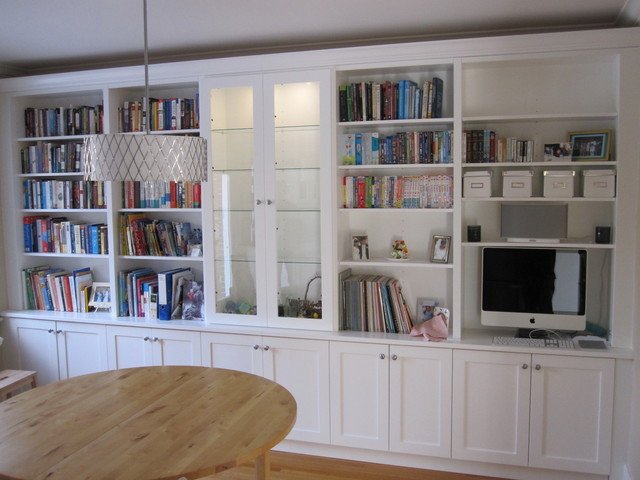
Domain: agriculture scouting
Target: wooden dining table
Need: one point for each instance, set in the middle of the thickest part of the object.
(144, 423)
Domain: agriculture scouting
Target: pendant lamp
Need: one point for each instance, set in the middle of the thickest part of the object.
(147, 157)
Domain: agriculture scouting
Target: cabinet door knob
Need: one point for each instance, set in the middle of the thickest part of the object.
(256, 347)
(146, 339)
(269, 202)
(50, 330)
(156, 339)
(58, 332)
(525, 366)
(258, 202)
(538, 366)
(394, 357)
(265, 348)
(382, 356)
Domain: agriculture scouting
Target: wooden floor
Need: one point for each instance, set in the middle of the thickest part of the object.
(288, 466)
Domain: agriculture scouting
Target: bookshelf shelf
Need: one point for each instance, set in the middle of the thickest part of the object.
(160, 258)
(399, 211)
(394, 264)
(563, 244)
(414, 122)
(64, 210)
(52, 175)
(539, 117)
(50, 138)
(397, 166)
(539, 199)
(582, 164)
(67, 255)
(159, 210)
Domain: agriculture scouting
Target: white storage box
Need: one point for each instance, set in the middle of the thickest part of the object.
(516, 183)
(477, 184)
(558, 183)
(599, 183)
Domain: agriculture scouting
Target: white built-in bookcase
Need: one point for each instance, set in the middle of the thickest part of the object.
(539, 87)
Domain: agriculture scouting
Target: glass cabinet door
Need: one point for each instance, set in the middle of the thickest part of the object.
(295, 149)
(235, 193)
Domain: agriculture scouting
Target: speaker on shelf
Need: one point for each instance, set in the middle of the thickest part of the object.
(473, 233)
(533, 221)
(603, 234)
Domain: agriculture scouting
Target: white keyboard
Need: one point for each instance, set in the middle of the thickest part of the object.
(534, 342)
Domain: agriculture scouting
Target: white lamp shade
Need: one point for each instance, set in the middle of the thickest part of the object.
(119, 157)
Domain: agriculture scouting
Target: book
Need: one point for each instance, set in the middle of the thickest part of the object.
(165, 292)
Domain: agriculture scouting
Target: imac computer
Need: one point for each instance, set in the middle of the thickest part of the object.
(534, 288)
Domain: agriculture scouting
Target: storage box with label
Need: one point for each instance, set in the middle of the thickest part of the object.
(558, 183)
(516, 183)
(477, 184)
(599, 183)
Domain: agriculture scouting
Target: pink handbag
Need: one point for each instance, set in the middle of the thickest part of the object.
(435, 329)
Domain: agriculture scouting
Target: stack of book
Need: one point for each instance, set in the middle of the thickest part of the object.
(416, 191)
(161, 194)
(164, 114)
(63, 194)
(58, 235)
(484, 146)
(373, 303)
(47, 157)
(55, 122)
(364, 101)
(141, 236)
(372, 148)
(46, 288)
(145, 293)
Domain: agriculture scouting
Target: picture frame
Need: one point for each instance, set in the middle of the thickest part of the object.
(100, 296)
(440, 247)
(360, 247)
(590, 145)
(558, 152)
(424, 309)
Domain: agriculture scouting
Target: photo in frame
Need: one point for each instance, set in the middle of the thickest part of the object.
(558, 152)
(590, 145)
(100, 296)
(360, 247)
(440, 247)
(424, 309)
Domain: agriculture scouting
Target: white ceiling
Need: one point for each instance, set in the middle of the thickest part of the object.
(39, 36)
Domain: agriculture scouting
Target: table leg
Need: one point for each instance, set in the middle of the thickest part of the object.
(263, 467)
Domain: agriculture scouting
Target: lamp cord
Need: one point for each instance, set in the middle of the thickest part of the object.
(146, 71)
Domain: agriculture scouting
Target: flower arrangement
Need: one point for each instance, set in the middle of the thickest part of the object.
(399, 251)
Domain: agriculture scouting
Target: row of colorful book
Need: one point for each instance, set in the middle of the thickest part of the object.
(49, 157)
(63, 194)
(484, 146)
(405, 99)
(164, 114)
(373, 303)
(414, 191)
(60, 121)
(373, 148)
(161, 194)
(141, 236)
(167, 295)
(59, 235)
(56, 289)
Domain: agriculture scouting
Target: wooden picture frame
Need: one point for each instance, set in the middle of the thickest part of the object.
(590, 145)
(440, 247)
(100, 296)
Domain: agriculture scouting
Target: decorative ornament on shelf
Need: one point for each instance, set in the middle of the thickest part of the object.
(399, 251)
(119, 156)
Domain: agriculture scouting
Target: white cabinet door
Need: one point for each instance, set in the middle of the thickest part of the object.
(491, 404)
(359, 395)
(129, 347)
(571, 413)
(302, 367)
(235, 352)
(420, 400)
(82, 348)
(176, 347)
(31, 345)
